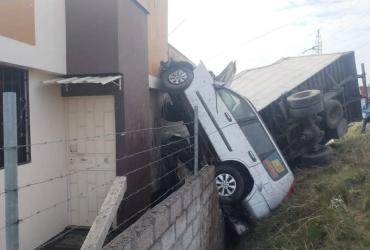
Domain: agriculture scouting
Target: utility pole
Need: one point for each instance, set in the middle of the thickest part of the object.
(318, 43)
(10, 170)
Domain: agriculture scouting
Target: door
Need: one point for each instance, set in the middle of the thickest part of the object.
(260, 149)
(91, 152)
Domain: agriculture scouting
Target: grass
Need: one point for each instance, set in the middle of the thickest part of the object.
(330, 208)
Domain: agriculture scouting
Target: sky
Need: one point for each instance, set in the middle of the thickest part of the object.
(258, 33)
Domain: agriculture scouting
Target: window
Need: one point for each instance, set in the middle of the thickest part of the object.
(16, 80)
(257, 137)
(238, 107)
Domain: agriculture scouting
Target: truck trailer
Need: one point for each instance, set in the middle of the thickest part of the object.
(305, 101)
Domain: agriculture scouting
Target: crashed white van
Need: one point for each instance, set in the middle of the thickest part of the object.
(250, 170)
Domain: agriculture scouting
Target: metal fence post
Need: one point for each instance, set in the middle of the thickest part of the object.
(10, 170)
(196, 136)
(363, 73)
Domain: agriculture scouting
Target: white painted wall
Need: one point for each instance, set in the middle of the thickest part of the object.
(49, 53)
(47, 123)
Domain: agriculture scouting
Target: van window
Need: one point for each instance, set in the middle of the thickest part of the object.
(258, 138)
(238, 107)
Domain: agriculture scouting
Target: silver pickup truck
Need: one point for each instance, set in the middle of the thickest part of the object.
(250, 170)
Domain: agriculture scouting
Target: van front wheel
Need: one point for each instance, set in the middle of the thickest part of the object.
(177, 78)
(230, 184)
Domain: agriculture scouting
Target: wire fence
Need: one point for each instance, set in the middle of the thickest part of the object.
(151, 163)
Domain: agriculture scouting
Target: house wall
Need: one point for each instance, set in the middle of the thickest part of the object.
(157, 34)
(39, 45)
(17, 20)
(47, 161)
(92, 39)
(133, 64)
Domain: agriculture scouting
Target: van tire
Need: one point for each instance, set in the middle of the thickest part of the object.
(304, 99)
(231, 175)
(333, 113)
(307, 111)
(177, 77)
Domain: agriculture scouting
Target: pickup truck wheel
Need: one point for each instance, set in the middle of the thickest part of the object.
(230, 184)
(333, 113)
(304, 98)
(177, 78)
(307, 111)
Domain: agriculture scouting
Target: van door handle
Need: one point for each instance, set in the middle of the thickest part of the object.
(228, 117)
(251, 155)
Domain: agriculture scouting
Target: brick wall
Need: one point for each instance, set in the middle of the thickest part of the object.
(189, 218)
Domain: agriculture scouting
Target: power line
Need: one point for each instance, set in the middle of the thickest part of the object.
(258, 37)
(177, 26)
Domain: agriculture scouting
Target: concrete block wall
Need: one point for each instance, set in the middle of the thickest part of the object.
(190, 218)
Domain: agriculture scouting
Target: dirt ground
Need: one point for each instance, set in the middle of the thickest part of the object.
(330, 208)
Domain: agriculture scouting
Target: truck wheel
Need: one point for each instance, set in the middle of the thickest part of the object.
(321, 157)
(307, 111)
(342, 128)
(230, 184)
(177, 77)
(304, 98)
(333, 113)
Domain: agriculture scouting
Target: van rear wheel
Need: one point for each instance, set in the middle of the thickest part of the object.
(230, 184)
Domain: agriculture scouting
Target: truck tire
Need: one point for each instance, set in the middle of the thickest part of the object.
(177, 77)
(230, 184)
(333, 113)
(307, 111)
(320, 158)
(304, 98)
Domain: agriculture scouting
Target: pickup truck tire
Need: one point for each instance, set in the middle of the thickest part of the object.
(304, 99)
(307, 111)
(333, 113)
(320, 158)
(177, 78)
(230, 184)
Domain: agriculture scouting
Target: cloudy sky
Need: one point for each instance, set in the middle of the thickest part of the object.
(256, 33)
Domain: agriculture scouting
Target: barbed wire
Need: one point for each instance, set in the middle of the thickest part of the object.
(94, 167)
(181, 165)
(81, 194)
(120, 133)
(159, 160)
(154, 148)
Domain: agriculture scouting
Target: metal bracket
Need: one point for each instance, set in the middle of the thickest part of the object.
(118, 84)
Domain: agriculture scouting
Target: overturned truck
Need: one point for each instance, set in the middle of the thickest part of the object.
(305, 101)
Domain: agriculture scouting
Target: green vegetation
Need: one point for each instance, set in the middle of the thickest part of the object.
(330, 208)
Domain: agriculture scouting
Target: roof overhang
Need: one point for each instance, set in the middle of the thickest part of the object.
(102, 80)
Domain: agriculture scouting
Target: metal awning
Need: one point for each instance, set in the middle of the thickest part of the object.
(103, 80)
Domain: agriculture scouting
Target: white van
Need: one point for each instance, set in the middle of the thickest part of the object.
(250, 168)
